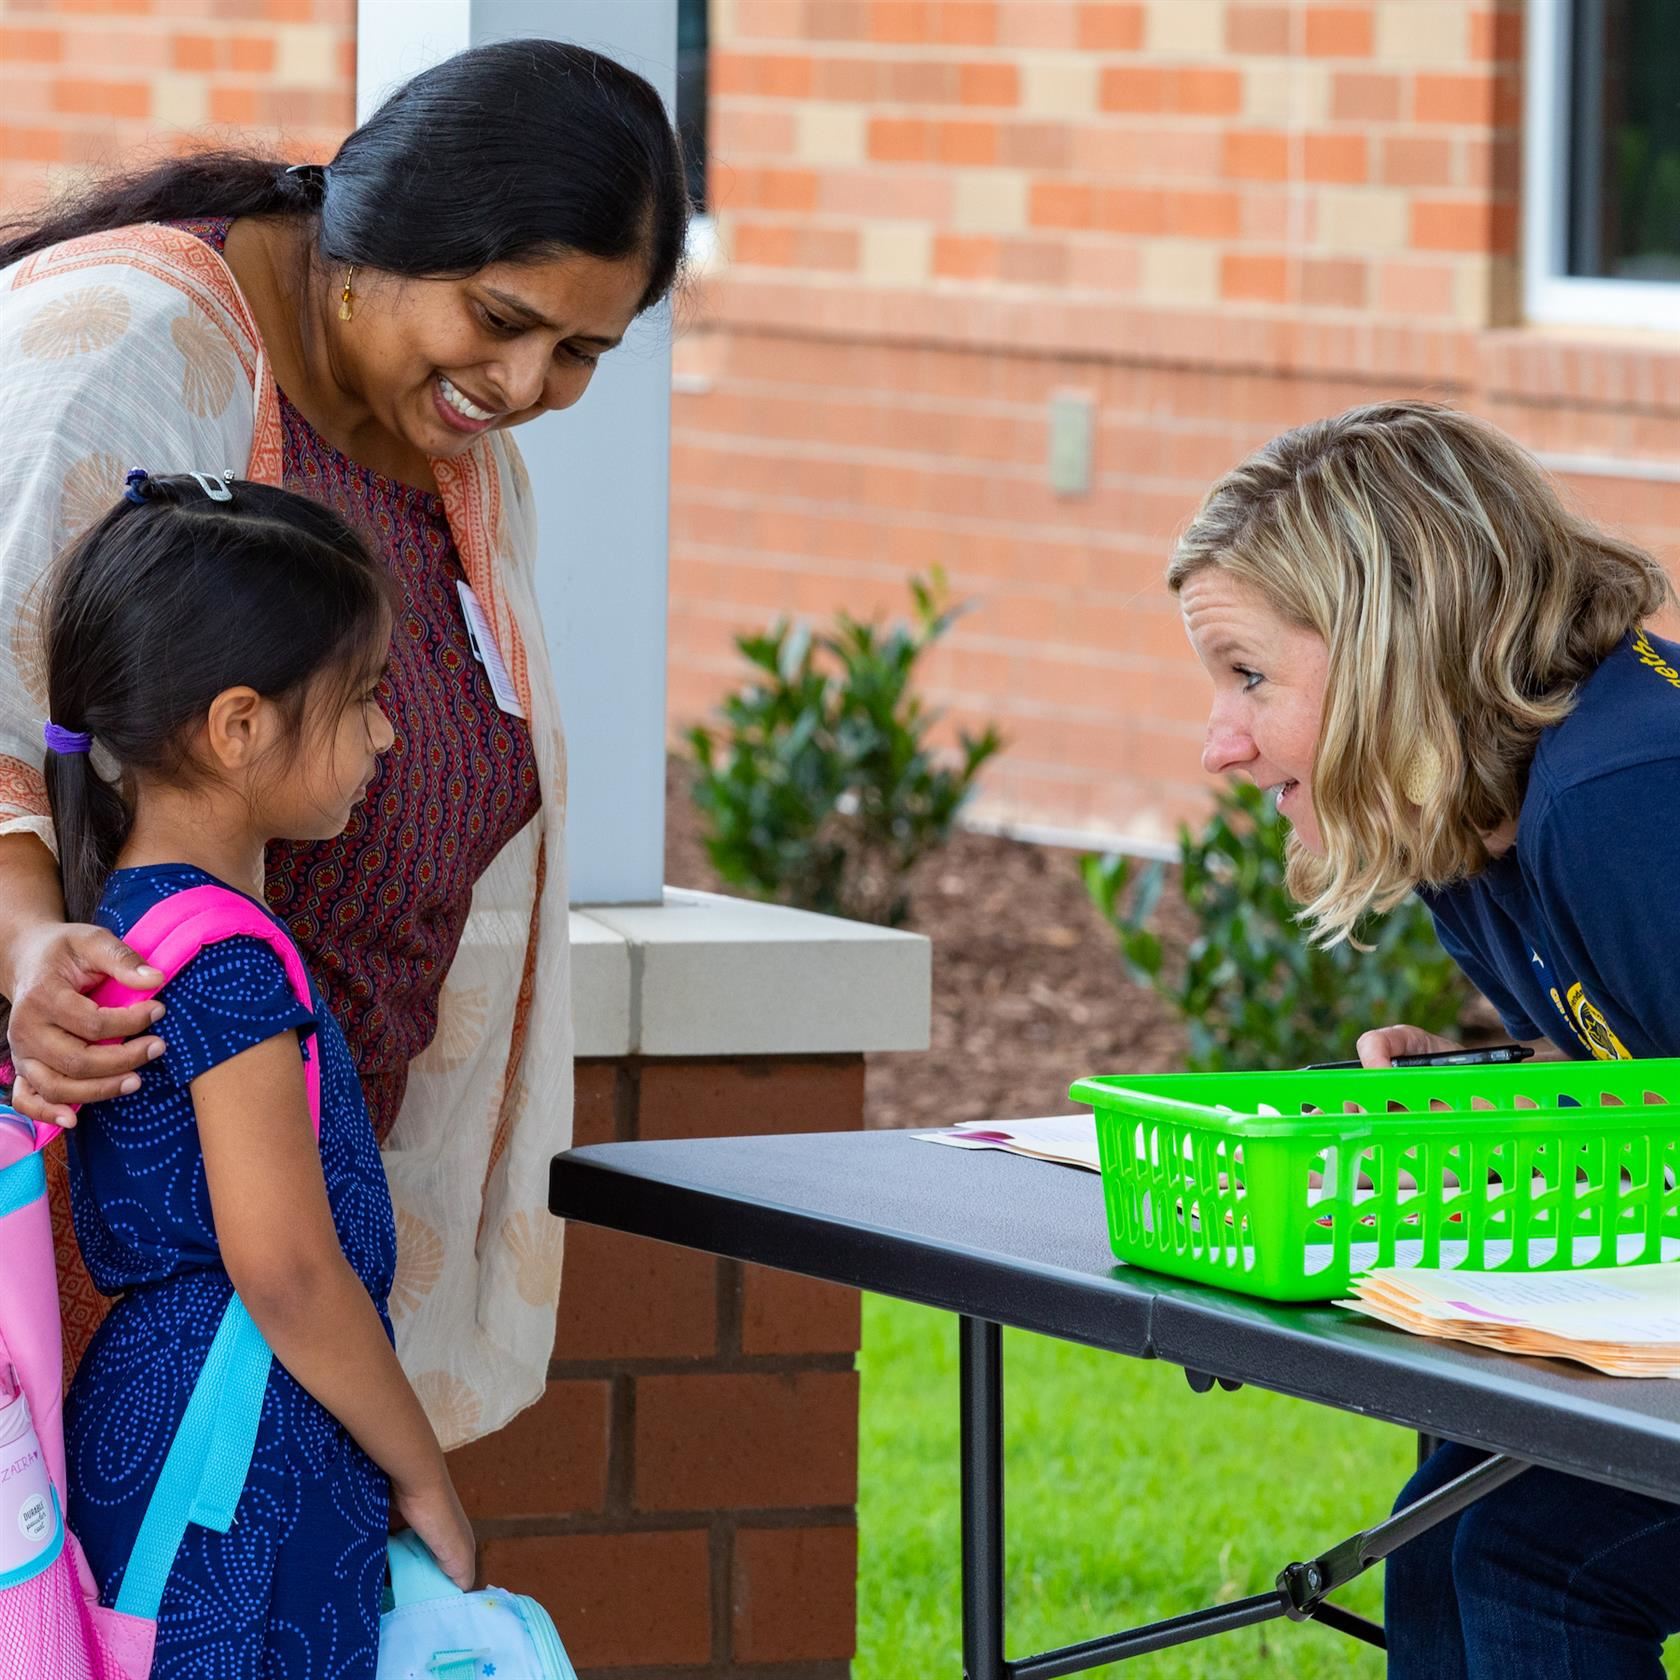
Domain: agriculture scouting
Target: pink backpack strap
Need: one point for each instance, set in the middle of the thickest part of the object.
(177, 928)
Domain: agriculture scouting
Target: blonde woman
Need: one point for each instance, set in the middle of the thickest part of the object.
(1446, 678)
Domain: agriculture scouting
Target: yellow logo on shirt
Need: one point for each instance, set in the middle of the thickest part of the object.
(1590, 1026)
(1652, 660)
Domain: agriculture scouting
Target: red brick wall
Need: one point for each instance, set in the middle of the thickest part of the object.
(683, 1497)
(90, 83)
(1213, 219)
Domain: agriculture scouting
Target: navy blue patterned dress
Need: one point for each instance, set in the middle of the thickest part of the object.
(291, 1592)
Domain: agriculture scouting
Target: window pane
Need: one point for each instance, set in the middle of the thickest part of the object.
(692, 40)
(1625, 131)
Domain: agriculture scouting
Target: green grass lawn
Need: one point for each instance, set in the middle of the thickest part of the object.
(1128, 1498)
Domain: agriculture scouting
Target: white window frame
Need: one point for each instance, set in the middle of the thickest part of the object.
(1551, 295)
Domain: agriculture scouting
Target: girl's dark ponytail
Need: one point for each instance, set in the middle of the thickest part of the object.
(189, 586)
(90, 823)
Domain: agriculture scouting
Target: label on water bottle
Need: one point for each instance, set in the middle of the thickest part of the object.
(28, 1521)
(34, 1520)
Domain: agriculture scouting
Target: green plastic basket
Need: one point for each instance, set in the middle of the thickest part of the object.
(1540, 1166)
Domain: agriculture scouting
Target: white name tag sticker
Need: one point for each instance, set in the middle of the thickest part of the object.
(485, 651)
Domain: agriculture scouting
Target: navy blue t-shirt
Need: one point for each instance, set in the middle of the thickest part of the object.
(138, 1190)
(1574, 934)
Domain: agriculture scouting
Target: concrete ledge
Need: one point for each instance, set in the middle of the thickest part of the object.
(705, 975)
(600, 986)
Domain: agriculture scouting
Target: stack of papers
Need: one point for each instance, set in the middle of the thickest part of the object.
(1622, 1320)
(1068, 1139)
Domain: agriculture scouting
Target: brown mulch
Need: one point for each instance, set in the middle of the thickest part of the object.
(1028, 989)
(1029, 992)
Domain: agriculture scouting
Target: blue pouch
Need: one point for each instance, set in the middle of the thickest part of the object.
(431, 1630)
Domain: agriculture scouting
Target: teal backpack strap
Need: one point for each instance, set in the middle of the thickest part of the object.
(415, 1575)
(23, 1182)
(233, 1430)
(204, 1471)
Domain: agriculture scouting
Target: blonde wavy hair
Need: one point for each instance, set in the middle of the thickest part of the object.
(1462, 604)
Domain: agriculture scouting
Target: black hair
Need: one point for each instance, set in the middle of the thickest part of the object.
(170, 600)
(515, 151)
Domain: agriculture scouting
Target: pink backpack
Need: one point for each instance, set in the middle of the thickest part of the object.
(52, 1626)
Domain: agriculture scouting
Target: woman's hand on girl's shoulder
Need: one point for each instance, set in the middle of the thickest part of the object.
(59, 1035)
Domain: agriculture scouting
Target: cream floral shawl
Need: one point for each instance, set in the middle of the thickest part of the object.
(136, 348)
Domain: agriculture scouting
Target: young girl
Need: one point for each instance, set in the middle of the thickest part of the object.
(219, 645)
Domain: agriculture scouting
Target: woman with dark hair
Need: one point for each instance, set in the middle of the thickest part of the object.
(366, 333)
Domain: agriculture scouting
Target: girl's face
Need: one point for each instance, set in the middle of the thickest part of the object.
(1268, 692)
(440, 362)
(331, 764)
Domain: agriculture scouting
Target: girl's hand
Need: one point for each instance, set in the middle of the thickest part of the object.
(56, 1030)
(1379, 1047)
(275, 1230)
(434, 1513)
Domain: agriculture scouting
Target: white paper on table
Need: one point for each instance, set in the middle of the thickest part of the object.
(1362, 1256)
(1624, 1304)
(1070, 1140)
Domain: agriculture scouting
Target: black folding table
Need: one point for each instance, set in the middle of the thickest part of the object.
(1000, 1240)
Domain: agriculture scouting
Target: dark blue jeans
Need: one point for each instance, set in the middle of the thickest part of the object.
(1546, 1578)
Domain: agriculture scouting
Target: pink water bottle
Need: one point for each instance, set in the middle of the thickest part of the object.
(28, 1518)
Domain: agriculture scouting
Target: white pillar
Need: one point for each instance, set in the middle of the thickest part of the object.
(600, 471)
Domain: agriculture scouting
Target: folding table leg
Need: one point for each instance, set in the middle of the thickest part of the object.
(1302, 1587)
(981, 1401)
(1301, 1590)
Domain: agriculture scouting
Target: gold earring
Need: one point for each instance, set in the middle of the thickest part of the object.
(1422, 773)
(346, 301)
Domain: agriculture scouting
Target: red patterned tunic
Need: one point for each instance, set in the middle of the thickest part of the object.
(379, 911)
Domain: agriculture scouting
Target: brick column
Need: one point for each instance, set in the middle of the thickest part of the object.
(683, 1498)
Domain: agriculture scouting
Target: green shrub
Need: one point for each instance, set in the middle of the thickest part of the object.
(1253, 991)
(819, 788)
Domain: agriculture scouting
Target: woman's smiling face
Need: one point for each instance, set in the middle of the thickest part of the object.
(440, 362)
(1268, 692)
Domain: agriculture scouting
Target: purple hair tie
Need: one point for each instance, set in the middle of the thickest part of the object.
(66, 740)
(134, 486)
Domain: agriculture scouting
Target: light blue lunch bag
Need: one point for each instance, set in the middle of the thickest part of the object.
(431, 1630)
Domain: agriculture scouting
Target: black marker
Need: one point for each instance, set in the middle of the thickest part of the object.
(1495, 1055)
